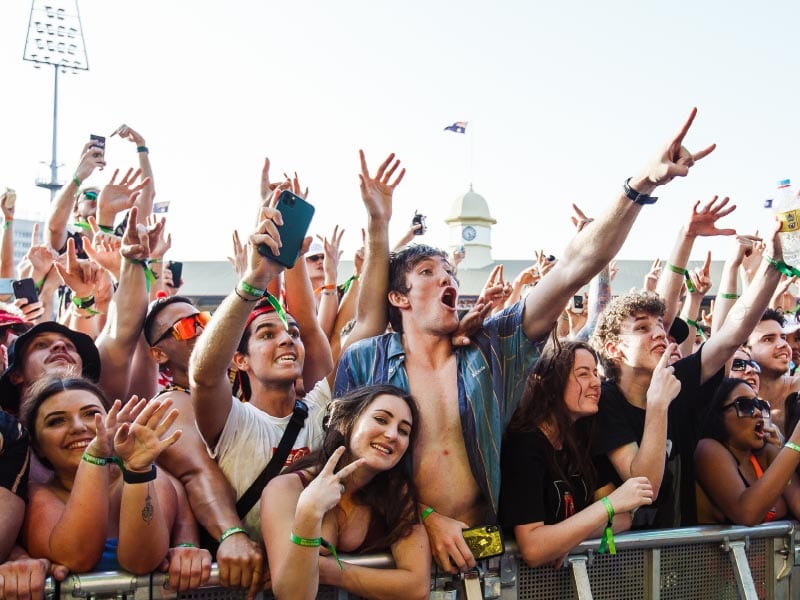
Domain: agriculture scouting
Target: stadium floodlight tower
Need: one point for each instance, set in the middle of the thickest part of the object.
(55, 38)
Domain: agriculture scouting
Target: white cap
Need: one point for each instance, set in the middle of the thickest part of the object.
(316, 247)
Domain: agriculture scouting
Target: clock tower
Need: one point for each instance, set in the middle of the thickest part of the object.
(471, 226)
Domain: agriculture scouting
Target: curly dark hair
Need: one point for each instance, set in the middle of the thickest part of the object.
(400, 263)
(543, 402)
(390, 494)
(609, 323)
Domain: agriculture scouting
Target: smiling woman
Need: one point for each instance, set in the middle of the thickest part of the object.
(742, 479)
(355, 495)
(552, 496)
(107, 506)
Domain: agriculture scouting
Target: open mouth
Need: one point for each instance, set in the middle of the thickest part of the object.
(287, 359)
(759, 429)
(449, 297)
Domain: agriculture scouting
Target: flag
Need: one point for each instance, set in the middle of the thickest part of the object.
(458, 127)
(768, 203)
(160, 207)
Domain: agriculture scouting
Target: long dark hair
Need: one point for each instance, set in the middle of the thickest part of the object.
(543, 402)
(390, 494)
(713, 421)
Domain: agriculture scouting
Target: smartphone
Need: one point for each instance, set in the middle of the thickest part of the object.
(419, 220)
(98, 141)
(10, 199)
(297, 215)
(177, 271)
(577, 304)
(485, 541)
(25, 288)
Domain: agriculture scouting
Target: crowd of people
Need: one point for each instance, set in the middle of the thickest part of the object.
(317, 413)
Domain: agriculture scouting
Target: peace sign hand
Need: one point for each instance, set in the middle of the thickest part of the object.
(327, 489)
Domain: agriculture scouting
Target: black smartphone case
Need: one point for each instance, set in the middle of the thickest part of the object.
(297, 215)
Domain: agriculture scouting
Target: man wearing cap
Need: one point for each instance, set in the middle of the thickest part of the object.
(266, 347)
(647, 406)
(769, 347)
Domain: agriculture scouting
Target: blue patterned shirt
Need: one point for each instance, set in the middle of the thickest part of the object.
(491, 378)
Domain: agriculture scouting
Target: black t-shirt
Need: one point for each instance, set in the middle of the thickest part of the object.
(14, 464)
(531, 489)
(620, 423)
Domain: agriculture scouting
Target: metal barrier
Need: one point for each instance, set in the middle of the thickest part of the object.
(709, 562)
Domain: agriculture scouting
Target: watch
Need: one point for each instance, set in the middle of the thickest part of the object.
(468, 233)
(635, 196)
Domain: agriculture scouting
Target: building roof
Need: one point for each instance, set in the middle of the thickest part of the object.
(470, 206)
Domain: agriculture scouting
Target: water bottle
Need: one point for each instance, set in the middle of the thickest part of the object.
(788, 210)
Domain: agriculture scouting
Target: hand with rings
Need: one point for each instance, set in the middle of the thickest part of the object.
(328, 487)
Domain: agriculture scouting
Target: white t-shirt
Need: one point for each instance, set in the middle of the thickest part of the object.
(251, 436)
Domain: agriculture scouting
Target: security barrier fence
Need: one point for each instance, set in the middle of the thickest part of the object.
(709, 562)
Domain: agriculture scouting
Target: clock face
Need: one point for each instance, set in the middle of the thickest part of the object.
(468, 233)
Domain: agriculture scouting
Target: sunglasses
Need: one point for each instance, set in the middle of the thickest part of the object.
(315, 257)
(740, 364)
(186, 328)
(747, 407)
(90, 196)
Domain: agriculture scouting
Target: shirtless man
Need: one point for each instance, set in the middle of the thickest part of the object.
(467, 395)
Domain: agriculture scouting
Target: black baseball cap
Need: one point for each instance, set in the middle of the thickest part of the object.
(679, 330)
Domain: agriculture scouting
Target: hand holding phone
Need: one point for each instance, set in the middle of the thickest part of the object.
(297, 215)
(485, 541)
(25, 288)
(419, 220)
(577, 304)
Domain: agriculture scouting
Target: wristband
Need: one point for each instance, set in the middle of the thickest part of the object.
(229, 532)
(186, 545)
(133, 477)
(156, 260)
(326, 293)
(38, 285)
(426, 513)
(636, 197)
(83, 302)
(781, 267)
(349, 281)
(236, 291)
(149, 276)
(315, 543)
(142, 149)
(698, 327)
(6, 223)
(100, 461)
(729, 296)
(106, 229)
(251, 290)
(327, 286)
(689, 285)
(76, 181)
(792, 446)
(607, 542)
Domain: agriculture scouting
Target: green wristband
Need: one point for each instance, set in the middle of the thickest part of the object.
(729, 296)
(251, 290)
(426, 513)
(149, 276)
(607, 542)
(689, 285)
(781, 267)
(186, 545)
(793, 446)
(76, 181)
(100, 461)
(230, 531)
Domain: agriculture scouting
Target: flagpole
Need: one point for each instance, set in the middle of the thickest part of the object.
(471, 152)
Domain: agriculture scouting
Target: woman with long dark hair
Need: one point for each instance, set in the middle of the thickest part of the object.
(355, 495)
(740, 478)
(551, 495)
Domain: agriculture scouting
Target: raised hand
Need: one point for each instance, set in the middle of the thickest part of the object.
(579, 219)
(703, 222)
(92, 158)
(160, 244)
(651, 278)
(332, 252)
(105, 427)
(239, 259)
(701, 277)
(470, 323)
(79, 275)
(139, 239)
(127, 133)
(8, 211)
(118, 197)
(41, 256)
(140, 442)
(266, 232)
(674, 161)
(376, 192)
(327, 489)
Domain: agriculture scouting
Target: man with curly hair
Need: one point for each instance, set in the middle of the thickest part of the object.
(649, 414)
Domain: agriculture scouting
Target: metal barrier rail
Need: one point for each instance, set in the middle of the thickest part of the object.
(672, 564)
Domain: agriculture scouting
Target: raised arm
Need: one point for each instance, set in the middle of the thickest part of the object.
(126, 313)
(701, 223)
(55, 235)
(145, 201)
(597, 243)
(212, 355)
(746, 313)
(728, 291)
(329, 296)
